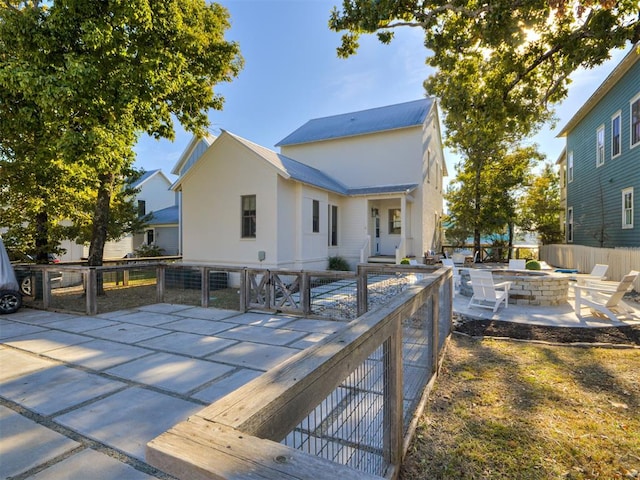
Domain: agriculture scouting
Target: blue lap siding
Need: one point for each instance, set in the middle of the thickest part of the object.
(595, 194)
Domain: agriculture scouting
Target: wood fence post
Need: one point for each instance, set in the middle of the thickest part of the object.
(92, 291)
(362, 293)
(205, 287)
(160, 283)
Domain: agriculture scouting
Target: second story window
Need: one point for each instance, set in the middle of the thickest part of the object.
(570, 224)
(142, 208)
(248, 216)
(570, 167)
(616, 140)
(600, 146)
(635, 121)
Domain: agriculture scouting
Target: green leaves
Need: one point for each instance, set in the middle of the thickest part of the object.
(81, 79)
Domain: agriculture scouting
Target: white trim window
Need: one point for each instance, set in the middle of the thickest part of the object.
(616, 135)
(627, 208)
(248, 208)
(600, 146)
(570, 167)
(570, 225)
(634, 124)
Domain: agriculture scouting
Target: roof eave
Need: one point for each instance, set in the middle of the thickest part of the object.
(622, 68)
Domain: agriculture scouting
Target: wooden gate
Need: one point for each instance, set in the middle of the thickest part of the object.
(278, 291)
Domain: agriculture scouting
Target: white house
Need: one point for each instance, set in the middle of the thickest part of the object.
(154, 196)
(358, 185)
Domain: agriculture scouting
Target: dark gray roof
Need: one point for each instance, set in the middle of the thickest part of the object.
(383, 189)
(165, 216)
(392, 117)
(292, 168)
(143, 177)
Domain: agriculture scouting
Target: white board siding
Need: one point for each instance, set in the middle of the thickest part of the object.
(211, 207)
(382, 158)
(156, 193)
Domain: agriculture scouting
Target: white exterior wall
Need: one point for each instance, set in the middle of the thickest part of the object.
(352, 228)
(211, 207)
(155, 191)
(431, 198)
(381, 158)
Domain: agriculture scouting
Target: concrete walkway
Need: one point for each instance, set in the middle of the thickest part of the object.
(80, 396)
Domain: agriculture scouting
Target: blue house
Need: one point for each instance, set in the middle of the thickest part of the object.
(603, 162)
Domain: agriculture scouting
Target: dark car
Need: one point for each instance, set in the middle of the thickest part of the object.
(10, 296)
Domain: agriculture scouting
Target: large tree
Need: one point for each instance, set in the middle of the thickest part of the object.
(99, 73)
(540, 206)
(500, 66)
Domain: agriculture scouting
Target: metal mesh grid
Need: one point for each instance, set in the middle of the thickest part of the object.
(417, 358)
(348, 426)
(334, 297)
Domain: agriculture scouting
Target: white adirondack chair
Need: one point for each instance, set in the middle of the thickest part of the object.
(605, 297)
(487, 294)
(447, 262)
(517, 264)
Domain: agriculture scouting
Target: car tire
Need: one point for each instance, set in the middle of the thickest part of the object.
(26, 286)
(10, 301)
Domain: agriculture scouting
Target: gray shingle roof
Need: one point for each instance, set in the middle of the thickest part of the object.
(293, 169)
(165, 216)
(143, 177)
(379, 119)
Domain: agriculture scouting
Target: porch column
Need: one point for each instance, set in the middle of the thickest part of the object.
(405, 226)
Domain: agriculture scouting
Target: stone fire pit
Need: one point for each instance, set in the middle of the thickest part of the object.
(527, 288)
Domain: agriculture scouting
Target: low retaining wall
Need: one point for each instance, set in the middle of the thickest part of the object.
(527, 288)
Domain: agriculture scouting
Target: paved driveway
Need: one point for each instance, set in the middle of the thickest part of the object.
(80, 396)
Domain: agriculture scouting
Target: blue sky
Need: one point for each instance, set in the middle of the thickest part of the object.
(292, 74)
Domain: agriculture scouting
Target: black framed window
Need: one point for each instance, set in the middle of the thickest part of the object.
(316, 216)
(248, 216)
(333, 225)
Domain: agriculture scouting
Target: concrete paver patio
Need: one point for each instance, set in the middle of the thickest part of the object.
(80, 396)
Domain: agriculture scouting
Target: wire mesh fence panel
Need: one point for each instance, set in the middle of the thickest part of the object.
(224, 290)
(347, 427)
(333, 296)
(124, 288)
(182, 285)
(417, 358)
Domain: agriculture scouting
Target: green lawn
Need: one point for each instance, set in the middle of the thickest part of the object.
(509, 410)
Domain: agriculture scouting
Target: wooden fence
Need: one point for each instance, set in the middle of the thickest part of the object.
(244, 435)
(581, 258)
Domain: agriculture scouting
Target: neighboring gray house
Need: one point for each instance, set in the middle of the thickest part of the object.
(603, 162)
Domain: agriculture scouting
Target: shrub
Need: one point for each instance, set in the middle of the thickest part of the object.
(404, 261)
(338, 263)
(152, 250)
(533, 265)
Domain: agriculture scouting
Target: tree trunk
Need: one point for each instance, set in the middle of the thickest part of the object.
(477, 249)
(100, 224)
(42, 238)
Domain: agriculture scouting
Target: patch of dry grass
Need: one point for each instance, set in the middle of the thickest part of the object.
(508, 410)
(138, 293)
